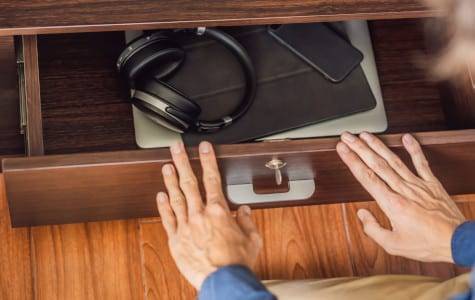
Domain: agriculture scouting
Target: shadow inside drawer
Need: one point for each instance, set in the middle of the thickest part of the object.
(11, 140)
(84, 103)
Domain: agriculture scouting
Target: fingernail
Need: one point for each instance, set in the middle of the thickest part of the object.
(205, 147)
(167, 170)
(408, 139)
(177, 147)
(162, 197)
(342, 148)
(366, 136)
(348, 137)
(246, 209)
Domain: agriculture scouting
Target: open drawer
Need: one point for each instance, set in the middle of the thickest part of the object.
(92, 170)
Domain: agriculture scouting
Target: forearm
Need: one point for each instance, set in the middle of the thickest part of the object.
(233, 282)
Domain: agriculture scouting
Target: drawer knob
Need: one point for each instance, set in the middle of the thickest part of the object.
(276, 164)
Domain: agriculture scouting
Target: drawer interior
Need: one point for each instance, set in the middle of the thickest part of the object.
(85, 109)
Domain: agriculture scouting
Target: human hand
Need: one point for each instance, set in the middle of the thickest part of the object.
(203, 236)
(423, 217)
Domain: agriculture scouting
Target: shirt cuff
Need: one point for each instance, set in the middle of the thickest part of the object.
(233, 282)
(463, 244)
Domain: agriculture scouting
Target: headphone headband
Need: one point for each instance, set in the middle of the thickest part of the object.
(249, 75)
(155, 56)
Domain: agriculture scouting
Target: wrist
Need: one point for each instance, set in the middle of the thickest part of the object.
(443, 254)
(444, 251)
(198, 283)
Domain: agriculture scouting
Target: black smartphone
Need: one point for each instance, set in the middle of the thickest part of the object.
(319, 46)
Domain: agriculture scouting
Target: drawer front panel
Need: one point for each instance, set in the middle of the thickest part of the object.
(115, 185)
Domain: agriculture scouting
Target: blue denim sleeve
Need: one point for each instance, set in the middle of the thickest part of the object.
(463, 253)
(463, 244)
(233, 282)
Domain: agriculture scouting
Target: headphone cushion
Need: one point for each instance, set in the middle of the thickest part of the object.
(180, 105)
(159, 116)
(159, 59)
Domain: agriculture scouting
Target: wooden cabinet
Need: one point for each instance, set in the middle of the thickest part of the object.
(82, 163)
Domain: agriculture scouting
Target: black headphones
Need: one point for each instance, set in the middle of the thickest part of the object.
(150, 58)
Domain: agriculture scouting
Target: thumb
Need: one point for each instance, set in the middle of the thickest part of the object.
(373, 229)
(245, 222)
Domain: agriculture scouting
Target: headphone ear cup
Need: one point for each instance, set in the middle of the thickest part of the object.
(165, 105)
(155, 56)
(160, 117)
(179, 104)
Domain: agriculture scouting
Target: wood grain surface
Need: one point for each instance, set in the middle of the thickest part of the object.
(130, 259)
(15, 274)
(32, 17)
(162, 280)
(11, 141)
(34, 120)
(294, 239)
(87, 261)
(85, 106)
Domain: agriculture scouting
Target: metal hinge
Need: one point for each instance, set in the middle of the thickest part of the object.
(21, 82)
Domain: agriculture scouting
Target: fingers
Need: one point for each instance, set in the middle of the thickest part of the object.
(375, 162)
(373, 229)
(368, 179)
(418, 158)
(211, 176)
(246, 224)
(392, 159)
(177, 200)
(166, 213)
(187, 179)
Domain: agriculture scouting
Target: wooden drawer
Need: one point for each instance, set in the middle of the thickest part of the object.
(92, 169)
